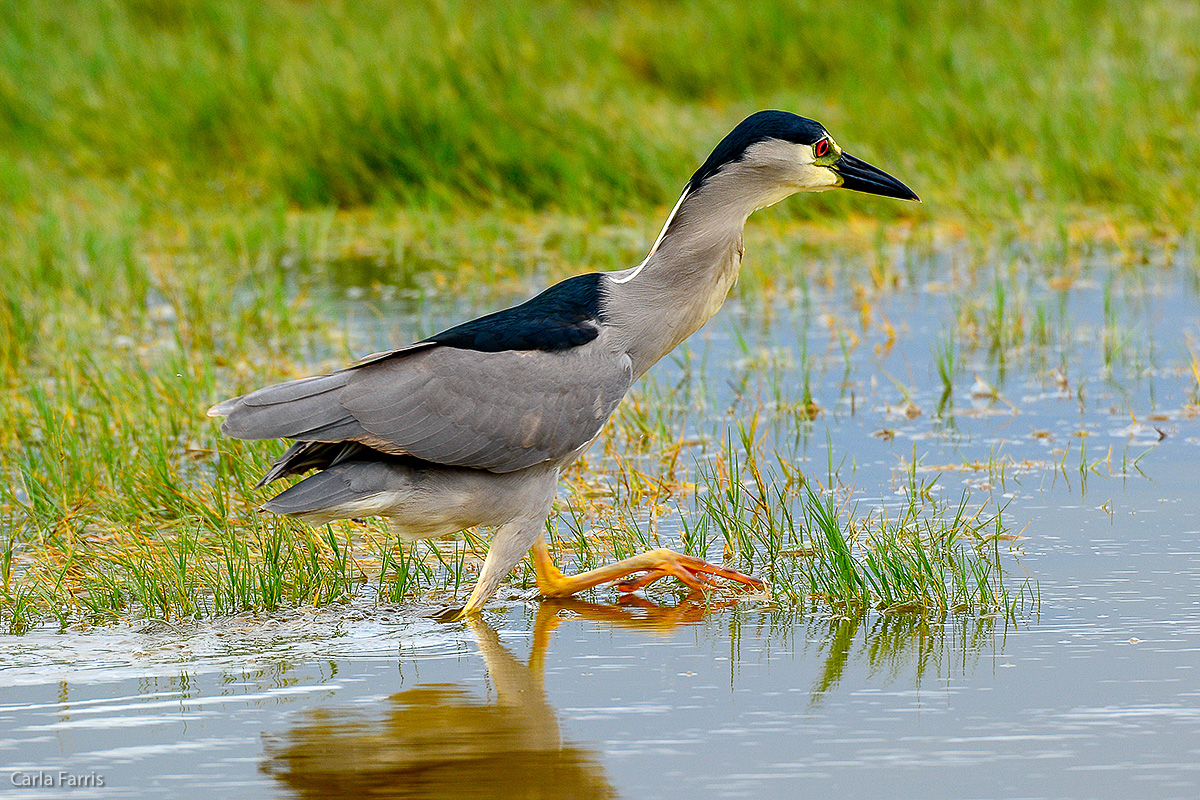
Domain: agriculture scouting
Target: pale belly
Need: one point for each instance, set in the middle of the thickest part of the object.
(433, 501)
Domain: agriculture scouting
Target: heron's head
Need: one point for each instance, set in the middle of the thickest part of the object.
(775, 154)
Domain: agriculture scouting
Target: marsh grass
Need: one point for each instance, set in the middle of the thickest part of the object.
(812, 544)
(219, 557)
(188, 190)
(926, 556)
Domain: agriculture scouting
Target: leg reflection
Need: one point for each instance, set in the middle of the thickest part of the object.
(444, 741)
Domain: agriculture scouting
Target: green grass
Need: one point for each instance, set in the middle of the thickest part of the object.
(994, 110)
(926, 556)
(175, 534)
(812, 545)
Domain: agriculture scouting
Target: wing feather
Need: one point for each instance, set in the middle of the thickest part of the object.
(529, 384)
(285, 409)
(499, 411)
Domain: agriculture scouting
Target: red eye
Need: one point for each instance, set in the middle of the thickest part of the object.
(821, 148)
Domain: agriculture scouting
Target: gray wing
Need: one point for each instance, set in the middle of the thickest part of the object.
(500, 411)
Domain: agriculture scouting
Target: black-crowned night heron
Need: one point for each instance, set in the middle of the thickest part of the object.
(473, 426)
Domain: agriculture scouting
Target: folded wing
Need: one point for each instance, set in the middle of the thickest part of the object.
(499, 411)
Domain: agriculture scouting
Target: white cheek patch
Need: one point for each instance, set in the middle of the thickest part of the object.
(814, 178)
(827, 178)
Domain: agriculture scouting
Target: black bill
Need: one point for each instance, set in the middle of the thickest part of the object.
(862, 177)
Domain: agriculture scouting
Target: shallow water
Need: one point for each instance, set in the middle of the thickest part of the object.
(1088, 421)
(574, 700)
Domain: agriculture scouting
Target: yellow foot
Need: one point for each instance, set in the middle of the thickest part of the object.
(470, 611)
(692, 572)
(688, 570)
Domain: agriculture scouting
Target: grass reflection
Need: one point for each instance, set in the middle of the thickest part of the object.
(890, 646)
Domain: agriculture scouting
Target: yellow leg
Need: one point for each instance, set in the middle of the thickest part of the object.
(693, 572)
(509, 545)
(479, 596)
(475, 601)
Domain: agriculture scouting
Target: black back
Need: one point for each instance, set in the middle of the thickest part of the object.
(566, 315)
(753, 129)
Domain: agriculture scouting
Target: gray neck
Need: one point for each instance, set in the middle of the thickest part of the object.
(653, 307)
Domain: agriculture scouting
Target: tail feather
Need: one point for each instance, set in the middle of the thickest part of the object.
(331, 493)
(303, 456)
(307, 407)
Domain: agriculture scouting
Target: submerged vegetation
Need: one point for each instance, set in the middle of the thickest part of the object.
(201, 196)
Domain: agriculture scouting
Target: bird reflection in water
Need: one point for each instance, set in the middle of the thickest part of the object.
(442, 741)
